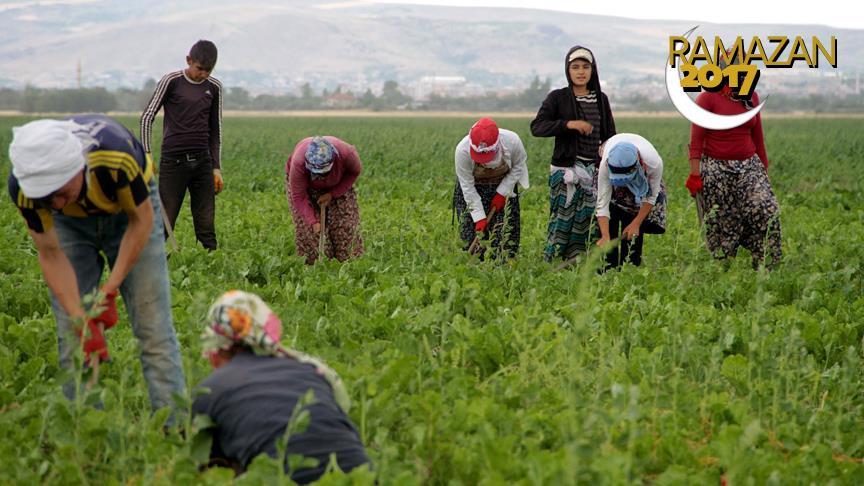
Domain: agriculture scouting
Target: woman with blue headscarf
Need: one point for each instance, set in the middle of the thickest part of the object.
(631, 198)
(321, 173)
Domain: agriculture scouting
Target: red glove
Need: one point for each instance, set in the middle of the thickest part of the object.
(108, 317)
(480, 226)
(694, 184)
(94, 343)
(498, 202)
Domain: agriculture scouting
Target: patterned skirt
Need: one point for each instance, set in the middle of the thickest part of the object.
(571, 226)
(505, 235)
(741, 210)
(341, 226)
(655, 222)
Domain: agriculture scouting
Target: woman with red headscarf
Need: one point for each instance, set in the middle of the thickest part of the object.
(490, 168)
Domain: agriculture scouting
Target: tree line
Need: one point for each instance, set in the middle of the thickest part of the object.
(80, 100)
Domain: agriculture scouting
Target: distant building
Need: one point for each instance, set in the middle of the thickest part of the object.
(340, 101)
(450, 86)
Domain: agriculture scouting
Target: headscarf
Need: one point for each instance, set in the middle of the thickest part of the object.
(485, 143)
(626, 171)
(242, 318)
(726, 90)
(46, 154)
(320, 155)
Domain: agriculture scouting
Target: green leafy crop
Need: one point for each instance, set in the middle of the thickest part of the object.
(682, 371)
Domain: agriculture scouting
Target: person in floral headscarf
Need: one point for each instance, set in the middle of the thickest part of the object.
(256, 385)
(321, 173)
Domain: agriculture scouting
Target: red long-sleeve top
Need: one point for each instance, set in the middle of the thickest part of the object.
(345, 170)
(737, 143)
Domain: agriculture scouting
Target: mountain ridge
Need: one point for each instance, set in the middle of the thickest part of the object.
(269, 46)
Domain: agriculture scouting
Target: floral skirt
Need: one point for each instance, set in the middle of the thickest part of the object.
(341, 226)
(505, 235)
(741, 210)
(655, 222)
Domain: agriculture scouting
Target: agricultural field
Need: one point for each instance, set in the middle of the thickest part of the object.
(683, 371)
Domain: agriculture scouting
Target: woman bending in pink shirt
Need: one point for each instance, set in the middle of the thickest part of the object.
(321, 172)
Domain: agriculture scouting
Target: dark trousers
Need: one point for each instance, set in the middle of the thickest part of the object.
(626, 250)
(177, 173)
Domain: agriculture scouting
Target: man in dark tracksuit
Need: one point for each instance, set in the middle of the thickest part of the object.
(191, 140)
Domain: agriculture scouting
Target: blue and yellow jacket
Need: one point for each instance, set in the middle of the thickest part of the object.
(117, 175)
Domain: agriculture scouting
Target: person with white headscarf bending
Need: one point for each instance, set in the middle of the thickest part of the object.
(631, 197)
(87, 191)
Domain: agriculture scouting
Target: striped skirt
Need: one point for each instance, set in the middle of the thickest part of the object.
(741, 210)
(571, 226)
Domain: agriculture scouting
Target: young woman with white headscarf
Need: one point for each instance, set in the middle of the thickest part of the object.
(579, 117)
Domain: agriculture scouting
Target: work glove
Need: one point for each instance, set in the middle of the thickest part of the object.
(694, 184)
(480, 226)
(498, 202)
(94, 342)
(108, 317)
(218, 184)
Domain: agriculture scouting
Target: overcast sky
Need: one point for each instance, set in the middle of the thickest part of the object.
(849, 16)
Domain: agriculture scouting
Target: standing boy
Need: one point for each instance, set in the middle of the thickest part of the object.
(191, 140)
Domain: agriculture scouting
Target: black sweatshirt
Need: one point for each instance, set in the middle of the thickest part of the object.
(560, 106)
(193, 116)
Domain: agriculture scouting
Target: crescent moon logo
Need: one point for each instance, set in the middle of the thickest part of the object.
(695, 113)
